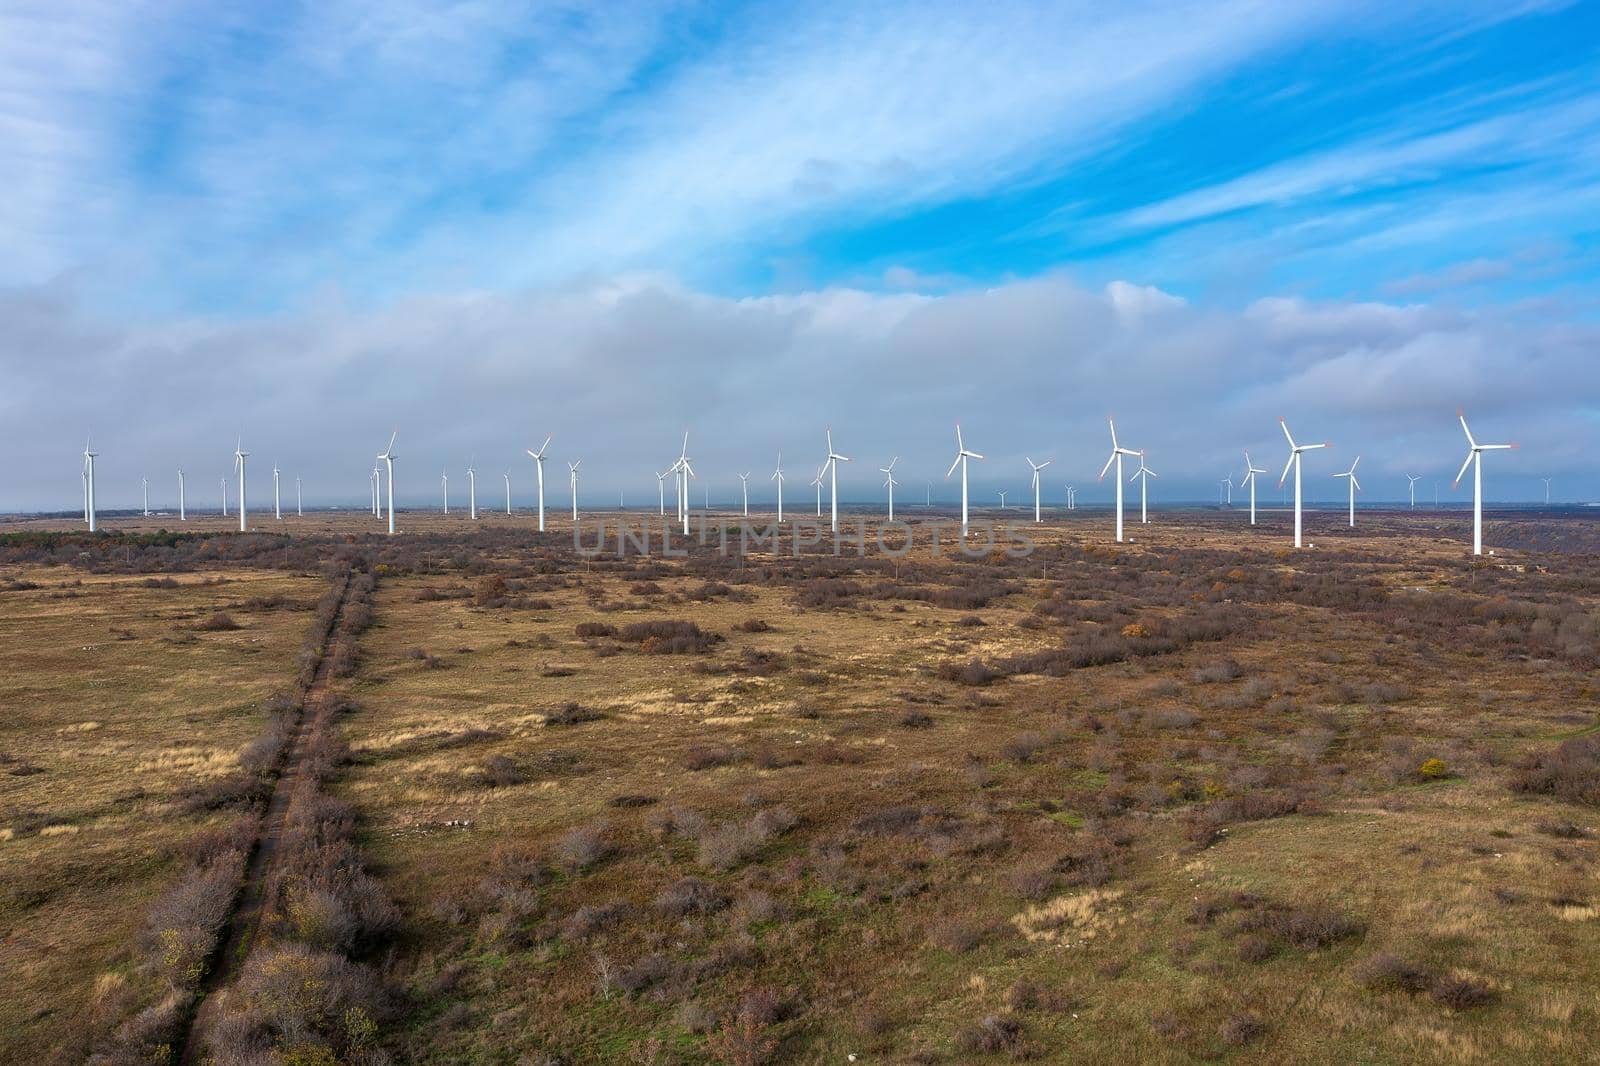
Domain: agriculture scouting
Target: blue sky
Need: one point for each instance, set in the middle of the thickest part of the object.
(1358, 202)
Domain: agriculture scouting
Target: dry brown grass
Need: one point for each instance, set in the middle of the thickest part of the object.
(119, 729)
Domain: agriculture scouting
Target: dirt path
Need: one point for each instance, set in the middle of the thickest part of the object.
(312, 715)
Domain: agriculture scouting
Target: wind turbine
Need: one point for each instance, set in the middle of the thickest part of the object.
(661, 490)
(685, 470)
(1475, 460)
(444, 489)
(1250, 472)
(888, 471)
(744, 489)
(1072, 497)
(239, 456)
(1117, 452)
(83, 478)
(144, 489)
(1002, 495)
(299, 510)
(277, 510)
(388, 458)
(832, 468)
(538, 462)
(572, 481)
(963, 453)
(1354, 485)
(183, 515)
(777, 475)
(472, 489)
(1295, 451)
(224, 497)
(1546, 490)
(1144, 474)
(1036, 468)
(1411, 486)
(508, 491)
(375, 482)
(817, 481)
(1227, 485)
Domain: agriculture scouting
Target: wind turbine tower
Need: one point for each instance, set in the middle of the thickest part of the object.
(1295, 452)
(963, 454)
(1474, 459)
(1036, 468)
(1117, 452)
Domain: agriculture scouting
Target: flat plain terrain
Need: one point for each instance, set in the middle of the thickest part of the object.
(125, 696)
(1191, 798)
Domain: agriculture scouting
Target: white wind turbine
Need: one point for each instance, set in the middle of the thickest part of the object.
(472, 489)
(1002, 495)
(1227, 485)
(1117, 452)
(1295, 451)
(963, 453)
(888, 472)
(777, 475)
(744, 489)
(1354, 485)
(832, 469)
(817, 481)
(1250, 473)
(661, 491)
(1474, 459)
(1411, 486)
(507, 476)
(444, 489)
(1072, 497)
(538, 462)
(239, 457)
(299, 509)
(1036, 468)
(1546, 490)
(144, 488)
(1143, 475)
(224, 497)
(374, 481)
(183, 514)
(277, 509)
(684, 468)
(83, 478)
(387, 458)
(572, 483)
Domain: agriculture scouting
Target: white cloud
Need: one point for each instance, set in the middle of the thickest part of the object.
(617, 367)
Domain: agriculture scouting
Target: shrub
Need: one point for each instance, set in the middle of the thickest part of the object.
(1461, 992)
(1391, 973)
(915, 719)
(955, 936)
(974, 672)
(571, 713)
(1433, 770)
(592, 630)
(1241, 1028)
(1569, 771)
(996, 1034)
(691, 895)
(1023, 747)
(708, 757)
(218, 623)
(583, 847)
(501, 771)
(743, 1040)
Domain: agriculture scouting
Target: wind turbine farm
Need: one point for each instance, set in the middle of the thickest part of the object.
(377, 779)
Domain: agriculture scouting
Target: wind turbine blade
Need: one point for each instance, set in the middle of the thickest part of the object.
(1152, 473)
(1109, 461)
(1285, 427)
(972, 455)
(1287, 467)
(1136, 474)
(1464, 464)
(953, 466)
(1354, 482)
(1462, 415)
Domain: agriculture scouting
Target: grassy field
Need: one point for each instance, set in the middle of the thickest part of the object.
(1195, 798)
(120, 701)
(1010, 867)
